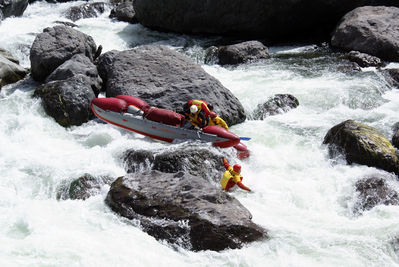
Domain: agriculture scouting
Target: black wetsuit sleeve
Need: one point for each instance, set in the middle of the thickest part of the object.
(203, 121)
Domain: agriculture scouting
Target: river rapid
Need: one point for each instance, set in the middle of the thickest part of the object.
(301, 196)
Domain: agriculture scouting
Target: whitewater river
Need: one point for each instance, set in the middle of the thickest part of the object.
(302, 197)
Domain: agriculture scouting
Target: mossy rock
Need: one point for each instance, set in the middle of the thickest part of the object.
(362, 144)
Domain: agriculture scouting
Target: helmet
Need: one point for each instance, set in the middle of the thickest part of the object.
(237, 168)
(193, 109)
(210, 106)
(213, 115)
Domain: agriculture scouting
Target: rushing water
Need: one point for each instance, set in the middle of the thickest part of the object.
(302, 197)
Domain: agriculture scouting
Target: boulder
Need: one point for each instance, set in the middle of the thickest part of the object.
(124, 11)
(193, 159)
(68, 101)
(56, 45)
(183, 210)
(83, 187)
(361, 144)
(244, 52)
(371, 30)
(278, 104)
(165, 79)
(88, 10)
(10, 8)
(78, 64)
(372, 192)
(10, 72)
(283, 20)
(364, 60)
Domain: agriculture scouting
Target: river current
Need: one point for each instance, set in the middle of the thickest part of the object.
(301, 196)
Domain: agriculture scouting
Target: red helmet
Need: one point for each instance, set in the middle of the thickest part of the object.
(213, 115)
(237, 168)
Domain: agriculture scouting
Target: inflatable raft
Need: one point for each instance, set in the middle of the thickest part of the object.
(136, 115)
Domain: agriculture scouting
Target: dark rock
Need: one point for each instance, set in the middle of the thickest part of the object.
(371, 30)
(278, 104)
(183, 210)
(1, 15)
(362, 144)
(83, 187)
(193, 159)
(56, 45)
(98, 52)
(10, 72)
(364, 60)
(283, 20)
(13, 7)
(392, 76)
(242, 53)
(124, 12)
(165, 79)
(68, 101)
(78, 64)
(89, 10)
(372, 192)
(395, 139)
(4, 53)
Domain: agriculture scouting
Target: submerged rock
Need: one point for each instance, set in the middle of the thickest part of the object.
(372, 192)
(371, 30)
(183, 210)
(362, 144)
(83, 187)
(278, 104)
(392, 76)
(364, 60)
(56, 45)
(165, 79)
(10, 71)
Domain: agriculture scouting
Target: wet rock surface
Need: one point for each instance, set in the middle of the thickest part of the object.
(183, 210)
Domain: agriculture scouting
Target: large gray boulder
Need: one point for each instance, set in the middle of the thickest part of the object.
(68, 101)
(362, 144)
(371, 30)
(55, 46)
(10, 8)
(183, 210)
(10, 71)
(78, 64)
(165, 79)
(280, 20)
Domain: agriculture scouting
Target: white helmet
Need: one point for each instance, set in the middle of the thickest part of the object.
(193, 109)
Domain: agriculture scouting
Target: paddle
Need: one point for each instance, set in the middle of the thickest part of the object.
(245, 138)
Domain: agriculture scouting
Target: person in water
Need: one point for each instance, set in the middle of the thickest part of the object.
(232, 176)
(214, 119)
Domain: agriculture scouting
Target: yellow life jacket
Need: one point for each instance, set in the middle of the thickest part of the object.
(228, 175)
(218, 122)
